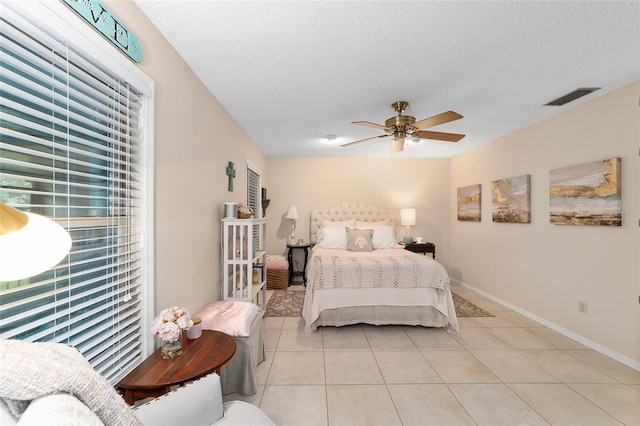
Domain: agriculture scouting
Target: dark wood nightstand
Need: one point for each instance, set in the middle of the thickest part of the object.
(293, 272)
(423, 248)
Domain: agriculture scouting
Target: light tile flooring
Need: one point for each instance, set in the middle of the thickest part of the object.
(505, 370)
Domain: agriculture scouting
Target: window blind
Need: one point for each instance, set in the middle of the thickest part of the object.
(253, 191)
(253, 199)
(71, 149)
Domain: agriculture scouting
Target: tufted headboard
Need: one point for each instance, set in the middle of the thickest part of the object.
(348, 210)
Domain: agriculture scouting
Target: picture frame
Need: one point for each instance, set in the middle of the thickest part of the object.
(511, 200)
(586, 194)
(469, 203)
(260, 268)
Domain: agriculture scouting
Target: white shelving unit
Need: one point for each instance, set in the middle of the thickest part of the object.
(244, 249)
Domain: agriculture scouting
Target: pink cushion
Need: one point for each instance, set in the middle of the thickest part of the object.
(277, 264)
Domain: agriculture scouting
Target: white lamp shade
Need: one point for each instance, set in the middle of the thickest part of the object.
(37, 246)
(407, 217)
(292, 213)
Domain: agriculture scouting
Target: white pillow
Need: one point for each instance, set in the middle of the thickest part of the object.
(384, 237)
(332, 238)
(360, 224)
(351, 223)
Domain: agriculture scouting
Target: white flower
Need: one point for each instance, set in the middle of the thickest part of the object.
(185, 322)
(169, 332)
(170, 322)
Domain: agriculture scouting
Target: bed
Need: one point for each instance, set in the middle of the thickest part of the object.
(358, 273)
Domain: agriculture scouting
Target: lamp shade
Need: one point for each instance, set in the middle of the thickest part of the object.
(292, 213)
(29, 244)
(407, 217)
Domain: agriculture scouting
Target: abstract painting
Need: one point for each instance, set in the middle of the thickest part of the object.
(511, 199)
(586, 194)
(469, 203)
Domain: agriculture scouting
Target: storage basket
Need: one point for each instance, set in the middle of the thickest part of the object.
(277, 279)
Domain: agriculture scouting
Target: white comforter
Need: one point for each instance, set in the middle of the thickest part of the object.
(386, 277)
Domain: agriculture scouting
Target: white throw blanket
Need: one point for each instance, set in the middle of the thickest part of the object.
(376, 269)
(30, 370)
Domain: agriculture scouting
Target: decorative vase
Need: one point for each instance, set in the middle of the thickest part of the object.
(172, 349)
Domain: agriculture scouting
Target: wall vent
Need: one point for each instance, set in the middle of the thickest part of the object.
(572, 96)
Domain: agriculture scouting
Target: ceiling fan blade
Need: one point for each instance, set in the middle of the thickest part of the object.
(363, 140)
(439, 136)
(445, 117)
(369, 124)
(397, 145)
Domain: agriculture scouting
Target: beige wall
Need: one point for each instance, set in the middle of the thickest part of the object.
(194, 139)
(546, 269)
(310, 183)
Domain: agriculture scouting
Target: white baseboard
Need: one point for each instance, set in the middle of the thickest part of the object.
(570, 334)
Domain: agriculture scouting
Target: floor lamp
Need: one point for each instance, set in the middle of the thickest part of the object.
(29, 244)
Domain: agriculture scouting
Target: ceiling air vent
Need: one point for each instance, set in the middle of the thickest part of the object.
(572, 96)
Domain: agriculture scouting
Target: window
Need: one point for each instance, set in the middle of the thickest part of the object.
(73, 148)
(253, 190)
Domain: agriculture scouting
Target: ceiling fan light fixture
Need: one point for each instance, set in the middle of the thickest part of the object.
(405, 127)
(331, 138)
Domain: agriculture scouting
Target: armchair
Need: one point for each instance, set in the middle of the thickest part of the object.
(51, 383)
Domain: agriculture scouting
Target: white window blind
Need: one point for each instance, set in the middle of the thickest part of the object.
(253, 191)
(71, 149)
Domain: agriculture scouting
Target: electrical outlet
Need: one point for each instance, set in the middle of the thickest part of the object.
(582, 307)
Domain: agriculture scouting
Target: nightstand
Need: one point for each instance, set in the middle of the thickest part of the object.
(423, 248)
(292, 271)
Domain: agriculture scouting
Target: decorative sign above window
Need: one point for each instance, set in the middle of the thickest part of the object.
(97, 14)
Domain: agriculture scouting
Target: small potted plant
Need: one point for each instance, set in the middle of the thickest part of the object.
(244, 212)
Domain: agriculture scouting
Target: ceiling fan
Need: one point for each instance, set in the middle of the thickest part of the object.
(402, 126)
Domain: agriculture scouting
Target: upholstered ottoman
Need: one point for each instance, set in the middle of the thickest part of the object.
(242, 321)
(277, 272)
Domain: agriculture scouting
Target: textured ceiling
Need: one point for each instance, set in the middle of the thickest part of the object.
(292, 72)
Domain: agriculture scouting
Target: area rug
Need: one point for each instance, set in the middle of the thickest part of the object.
(288, 303)
(285, 303)
(465, 308)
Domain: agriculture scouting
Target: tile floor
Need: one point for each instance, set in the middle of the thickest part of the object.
(505, 370)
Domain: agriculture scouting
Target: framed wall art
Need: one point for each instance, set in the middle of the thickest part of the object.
(469, 203)
(511, 199)
(586, 194)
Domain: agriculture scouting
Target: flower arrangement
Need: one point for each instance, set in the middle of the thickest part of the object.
(244, 212)
(168, 325)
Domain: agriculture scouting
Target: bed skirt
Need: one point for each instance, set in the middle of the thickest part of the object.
(424, 306)
(426, 316)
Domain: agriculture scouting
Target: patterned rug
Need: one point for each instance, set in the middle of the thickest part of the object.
(465, 308)
(288, 303)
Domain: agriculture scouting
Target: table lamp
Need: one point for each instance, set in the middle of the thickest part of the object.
(292, 214)
(408, 219)
(29, 244)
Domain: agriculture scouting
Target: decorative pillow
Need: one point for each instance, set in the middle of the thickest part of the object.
(359, 239)
(351, 223)
(331, 238)
(367, 225)
(384, 237)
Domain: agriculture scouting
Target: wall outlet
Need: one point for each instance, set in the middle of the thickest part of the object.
(582, 307)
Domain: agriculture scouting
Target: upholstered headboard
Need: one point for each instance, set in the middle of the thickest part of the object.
(348, 210)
